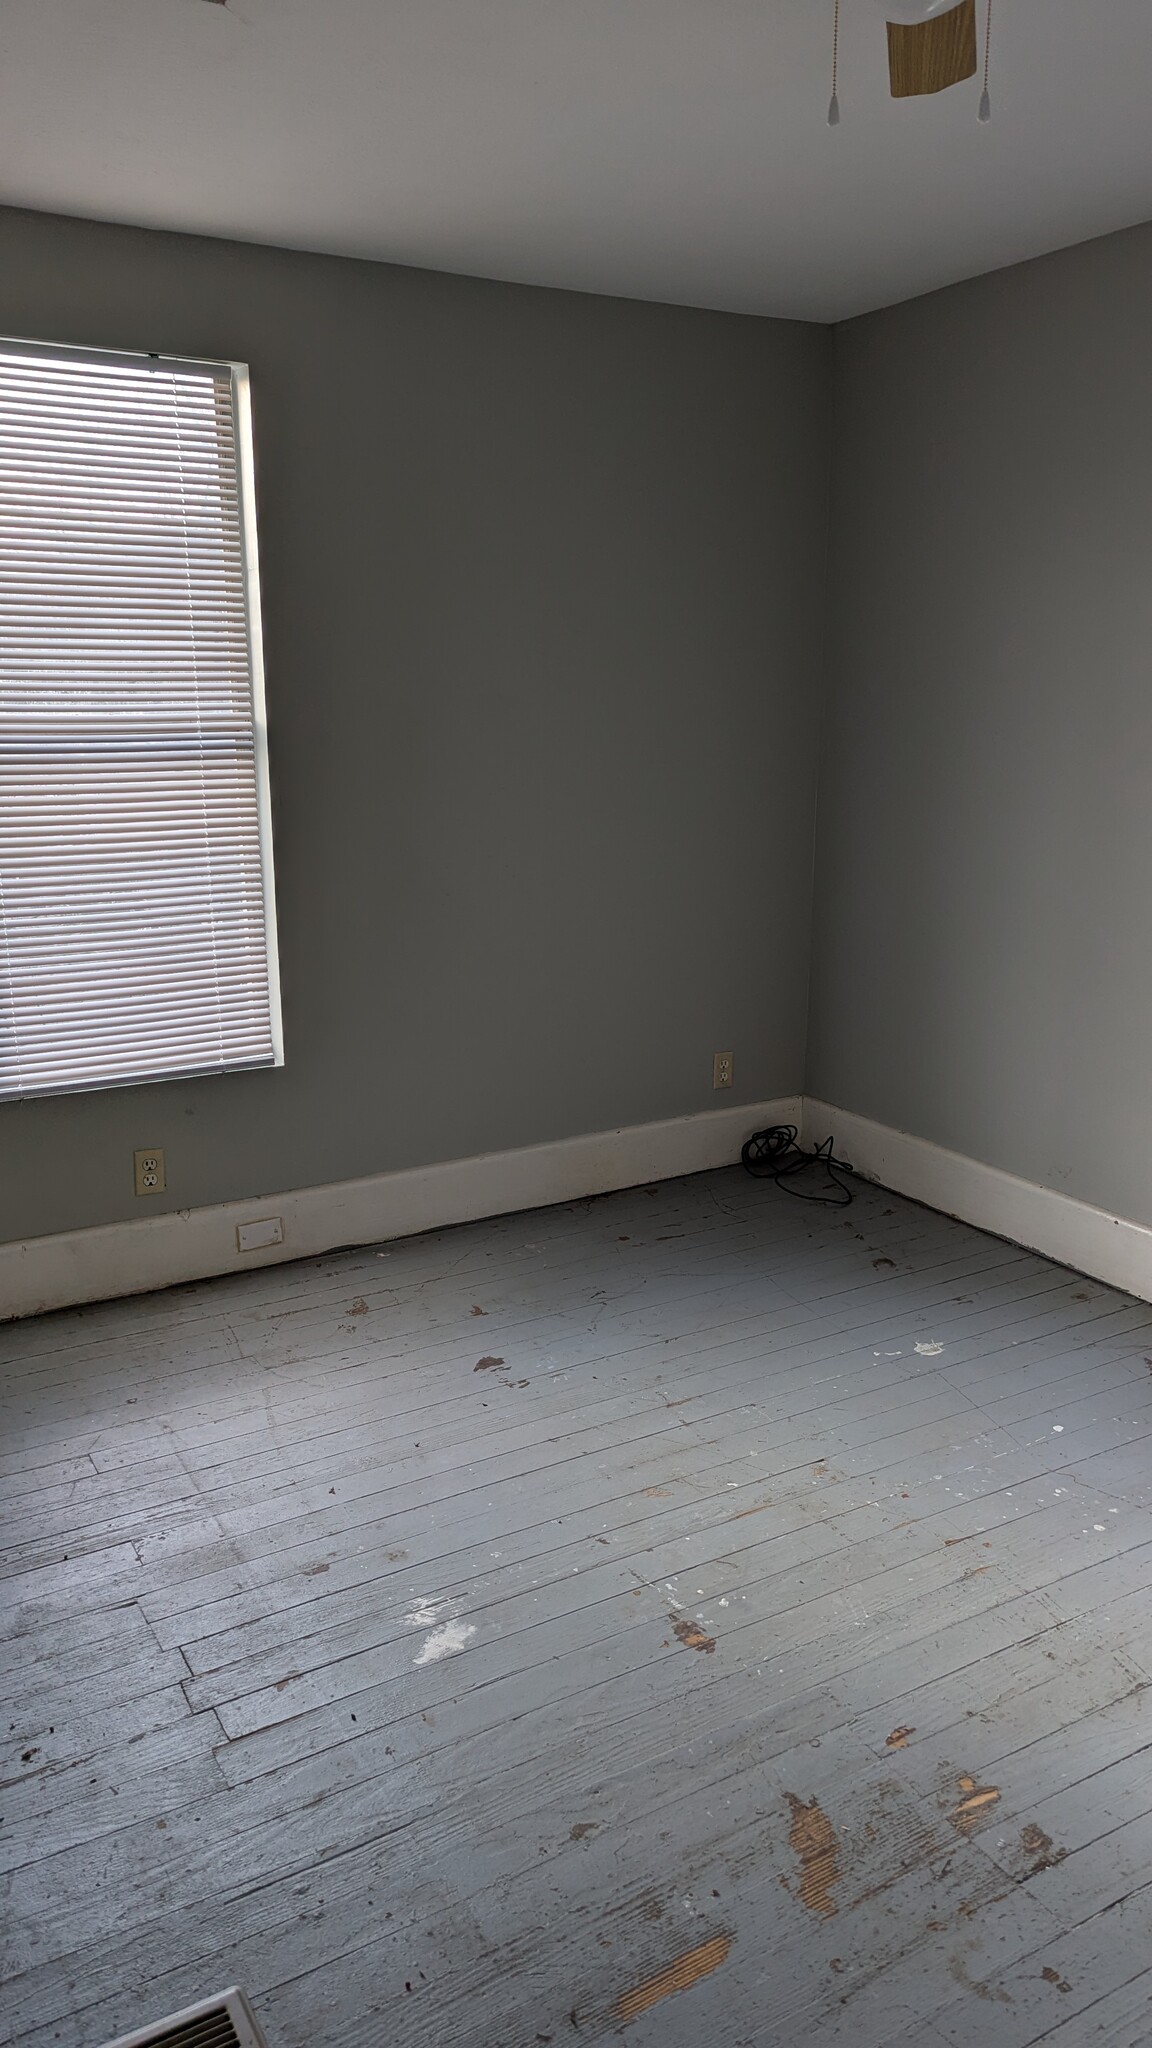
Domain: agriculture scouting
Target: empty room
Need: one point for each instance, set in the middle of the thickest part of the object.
(575, 1023)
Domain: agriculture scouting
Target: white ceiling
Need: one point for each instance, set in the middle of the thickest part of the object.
(664, 149)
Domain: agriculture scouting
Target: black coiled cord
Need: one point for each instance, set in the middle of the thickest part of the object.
(774, 1154)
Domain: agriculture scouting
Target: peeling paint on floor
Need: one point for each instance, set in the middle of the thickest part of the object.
(974, 1801)
(691, 1635)
(679, 1976)
(812, 1839)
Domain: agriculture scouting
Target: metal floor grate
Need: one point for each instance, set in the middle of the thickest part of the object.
(226, 2021)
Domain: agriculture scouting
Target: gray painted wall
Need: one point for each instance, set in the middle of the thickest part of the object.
(982, 970)
(543, 582)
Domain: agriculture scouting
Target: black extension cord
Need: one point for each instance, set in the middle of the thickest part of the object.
(775, 1155)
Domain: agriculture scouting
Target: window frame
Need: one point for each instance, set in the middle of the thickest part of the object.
(243, 435)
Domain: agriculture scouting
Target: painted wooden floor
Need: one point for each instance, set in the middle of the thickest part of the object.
(691, 1615)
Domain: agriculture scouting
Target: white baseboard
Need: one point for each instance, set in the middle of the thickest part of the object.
(1093, 1241)
(195, 1244)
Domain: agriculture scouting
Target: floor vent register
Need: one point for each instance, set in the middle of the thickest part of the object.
(226, 2021)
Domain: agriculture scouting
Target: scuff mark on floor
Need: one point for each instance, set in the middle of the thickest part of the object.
(743, 1513)
(679, 1976)
(691, 1634)
(1040, 1849)
(1052, 1976)
(426, 1612)
(812, 1838)
(974, 1801)
(958, 1968)
(582, 1828)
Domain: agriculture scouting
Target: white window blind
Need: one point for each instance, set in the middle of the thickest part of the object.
(137, 924)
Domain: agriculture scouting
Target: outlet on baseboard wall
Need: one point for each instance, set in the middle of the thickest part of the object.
(722, 1070)
(148, 1170)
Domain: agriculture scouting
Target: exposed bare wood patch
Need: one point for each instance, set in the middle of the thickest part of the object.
(679, 1976)
(812, 1838)
(691, 1634)
(357, 1308)
(656, 1493)
(898, 1738)
(487, 1364)
(973, 1803)
(582, 1828)
(744, 1513)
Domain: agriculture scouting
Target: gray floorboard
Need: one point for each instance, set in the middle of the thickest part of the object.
(691, 1614)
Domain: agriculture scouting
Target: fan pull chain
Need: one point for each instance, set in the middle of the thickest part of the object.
(834, 102)
(985, 113)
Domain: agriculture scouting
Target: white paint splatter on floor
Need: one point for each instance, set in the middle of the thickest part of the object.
(445, 1641)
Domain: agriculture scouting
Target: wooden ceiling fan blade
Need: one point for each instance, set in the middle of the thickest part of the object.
(931, 55)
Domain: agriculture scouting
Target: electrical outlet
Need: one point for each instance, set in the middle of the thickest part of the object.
(148, 1168)
(721, 1070)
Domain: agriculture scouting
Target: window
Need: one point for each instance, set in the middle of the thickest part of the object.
(137, 920)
